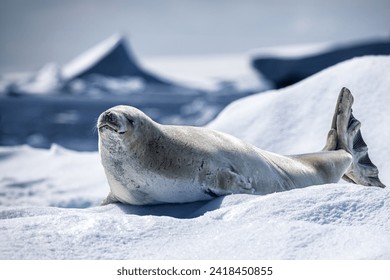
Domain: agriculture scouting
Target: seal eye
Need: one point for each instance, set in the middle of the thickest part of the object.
(130, 121)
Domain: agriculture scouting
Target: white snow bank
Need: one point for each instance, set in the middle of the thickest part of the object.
(297, 119)
(336, 221)
(323, 222)
(55, 177)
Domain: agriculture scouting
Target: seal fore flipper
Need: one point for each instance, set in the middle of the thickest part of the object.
(109, 199)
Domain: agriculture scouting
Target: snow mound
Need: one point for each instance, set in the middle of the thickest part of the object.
(323, 222)
(297, 119)
(50, 177)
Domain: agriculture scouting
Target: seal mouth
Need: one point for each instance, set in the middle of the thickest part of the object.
(114, 122)
(107, 126)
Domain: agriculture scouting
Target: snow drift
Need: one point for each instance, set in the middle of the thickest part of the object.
(336, 221)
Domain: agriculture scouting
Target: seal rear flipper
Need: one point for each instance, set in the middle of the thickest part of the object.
(109, 199)
(349, 138)
(331, 140)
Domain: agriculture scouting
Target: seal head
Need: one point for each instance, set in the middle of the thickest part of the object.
(122, 129)
(119, 120)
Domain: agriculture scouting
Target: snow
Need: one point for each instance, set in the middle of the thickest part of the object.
(305, 50)
(321, 222)
(46, 80)
(90, 57)
(49, 199)
(292, 51)
(55, 177)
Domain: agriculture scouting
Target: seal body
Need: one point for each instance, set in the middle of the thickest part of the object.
(149, 163)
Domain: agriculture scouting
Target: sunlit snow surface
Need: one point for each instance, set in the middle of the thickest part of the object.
(336, 221)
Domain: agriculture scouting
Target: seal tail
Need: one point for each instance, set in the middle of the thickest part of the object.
(345, 134)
